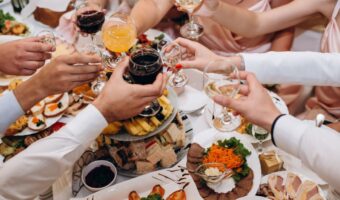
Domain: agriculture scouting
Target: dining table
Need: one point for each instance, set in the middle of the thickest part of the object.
(62, 188)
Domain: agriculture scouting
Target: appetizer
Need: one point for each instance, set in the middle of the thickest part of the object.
(56, 108)
(8, 25)
(230, 152)
(157, 193)
(38, 108)
(37, 122)
(53, 98)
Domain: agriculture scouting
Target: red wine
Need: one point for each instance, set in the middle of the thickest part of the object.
(90, 22)
(144, 67)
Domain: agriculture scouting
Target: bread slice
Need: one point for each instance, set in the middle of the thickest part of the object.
(38, 108)
(57, 108)
(36, 123)
(53, 98)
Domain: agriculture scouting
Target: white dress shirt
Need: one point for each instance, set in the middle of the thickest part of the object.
(318, 148)
(34, 170)
(305, 68)
(10, 110)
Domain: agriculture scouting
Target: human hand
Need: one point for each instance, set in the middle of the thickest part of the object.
(24, 57)
(120, 100)
(208, 8)
(255, 105)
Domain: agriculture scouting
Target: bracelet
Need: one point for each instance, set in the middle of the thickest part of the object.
(273, 126)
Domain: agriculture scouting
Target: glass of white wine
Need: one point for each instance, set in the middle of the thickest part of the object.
(190, 30)
(261, 135)
(221, 77)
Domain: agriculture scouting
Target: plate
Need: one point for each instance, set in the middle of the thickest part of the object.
(49, 121)
(283, 174)
(180, 155)
(143, 185)
(191, 100)
(280, 104)
(252, 198)
(152, 33)
(123, 135)
(208, 137)
(5, 2)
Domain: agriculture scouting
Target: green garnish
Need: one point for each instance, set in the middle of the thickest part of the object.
(60, 105)
(40, 122)
(160, 37)
(153, 197)
(3, 17)
(249, 129)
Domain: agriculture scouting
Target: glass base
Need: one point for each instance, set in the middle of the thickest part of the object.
(226, 126)
(98, 86)
(151, 110)
(192, 31)
(178, 80)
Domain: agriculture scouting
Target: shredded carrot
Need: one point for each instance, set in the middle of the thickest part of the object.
(53, 106)
(218, 154)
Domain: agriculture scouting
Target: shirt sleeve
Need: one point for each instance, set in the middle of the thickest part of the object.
(305, 68)
(318, 148)
(10, 110)
(35, 169)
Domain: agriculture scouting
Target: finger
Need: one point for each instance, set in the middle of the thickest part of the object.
(33, 65)
(76, 84)
(189, 64)
(32, 39)
(38, 47)
(120, 70)
(84, 69)
(83, 77)
(188, 44)
(228, 102)
(36, 56)
(27, 72)
(244, 90)
(80, 59)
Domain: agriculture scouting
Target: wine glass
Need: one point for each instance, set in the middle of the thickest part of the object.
(90, 18)
(47, 37)
(144, 66)
(171, 55)
(260, 134)
(190, 30)
(221, 77)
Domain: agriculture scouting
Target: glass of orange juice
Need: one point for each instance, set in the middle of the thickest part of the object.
(119, 34)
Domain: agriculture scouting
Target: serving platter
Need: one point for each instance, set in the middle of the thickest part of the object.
(279, 103)
(123, 135)
(283, 174)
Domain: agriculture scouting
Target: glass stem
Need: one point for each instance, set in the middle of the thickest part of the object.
(191, 18)
(226, 115)
(260, 147)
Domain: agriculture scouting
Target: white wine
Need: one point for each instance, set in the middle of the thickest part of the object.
(225, 88)
(189, 5)
(260, 133)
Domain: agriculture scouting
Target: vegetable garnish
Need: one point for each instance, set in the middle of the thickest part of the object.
(4, 17)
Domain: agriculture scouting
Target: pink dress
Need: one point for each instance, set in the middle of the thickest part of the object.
(220, 39)
(328, 98)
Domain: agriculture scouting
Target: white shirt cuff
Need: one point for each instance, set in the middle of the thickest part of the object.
(10, 110)
(87, 125)
(288, 132)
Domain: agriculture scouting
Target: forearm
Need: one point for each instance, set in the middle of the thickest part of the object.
(316, 147)
(283, 40)
(294, 68)
(34, 170)
(103, 3)
(148, 13)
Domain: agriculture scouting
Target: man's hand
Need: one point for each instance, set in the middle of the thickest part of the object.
(24, 57)
(255, 105)
(61, 75)
(120, 100)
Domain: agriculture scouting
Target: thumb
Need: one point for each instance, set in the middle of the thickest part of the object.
(228, 102)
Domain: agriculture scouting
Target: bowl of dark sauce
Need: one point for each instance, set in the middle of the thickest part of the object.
(98, 175)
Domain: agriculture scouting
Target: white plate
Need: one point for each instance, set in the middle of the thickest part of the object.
(283, 174)
(143, 185)
(49, 121)
(208, 137)
(152, 33)
(252, 198)
(5, 2)
(280, 104)
(191, 100)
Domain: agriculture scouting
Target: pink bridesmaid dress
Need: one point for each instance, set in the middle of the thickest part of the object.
(223, 41)
(328, 98)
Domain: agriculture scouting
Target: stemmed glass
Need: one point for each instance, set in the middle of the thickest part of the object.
(190, 30)
(47, 37)
(221, 77)
(260, 134)
(144, 66)
(90, 19)
(171, 55)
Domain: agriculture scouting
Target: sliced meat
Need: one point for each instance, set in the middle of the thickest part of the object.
(247, 182)
(212, 196)
(205, 192)
(292, 185)
(276, 186)
(195, 160)
(192, 166)
(196, 151)
(240, 192)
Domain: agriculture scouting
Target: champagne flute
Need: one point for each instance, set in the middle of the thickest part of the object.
(190, 30)
(171, 55)
(47, 37)
(221, 77)
(145, 64)
(90, 18)
(260, 134)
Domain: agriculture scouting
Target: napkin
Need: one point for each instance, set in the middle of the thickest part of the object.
(270, 162)
(54, 5)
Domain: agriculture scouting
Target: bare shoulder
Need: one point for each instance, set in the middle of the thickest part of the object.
(325, 7)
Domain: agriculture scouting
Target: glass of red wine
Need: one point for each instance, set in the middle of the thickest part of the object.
(90, 18)
(145, 64)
